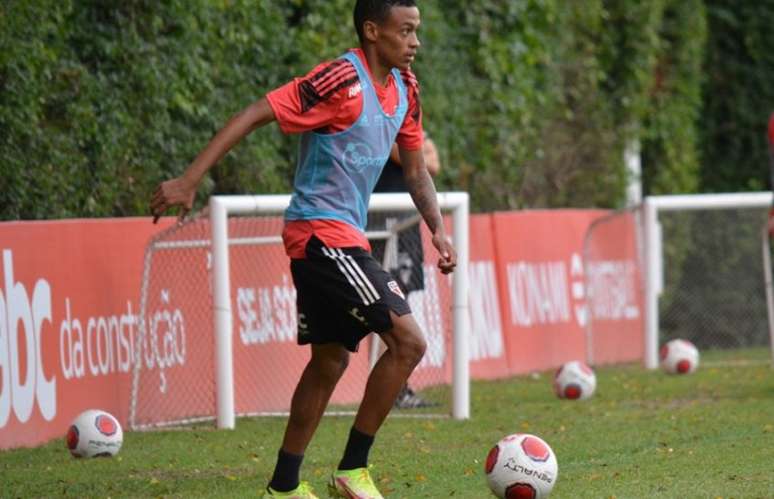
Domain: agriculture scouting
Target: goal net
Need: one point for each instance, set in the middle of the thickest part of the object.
(697, 275)
(218, 335)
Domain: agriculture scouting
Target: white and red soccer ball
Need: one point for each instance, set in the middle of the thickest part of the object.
(94, 433)
(679, 357)
(521, 466)
(575, 380)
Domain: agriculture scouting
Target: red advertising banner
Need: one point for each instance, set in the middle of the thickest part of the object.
(72, 335)
(68, 322)
(488, 359)
(541, 286)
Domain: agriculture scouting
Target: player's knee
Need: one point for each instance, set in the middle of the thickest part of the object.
(410, 348)
(334, 368)
(331, 366)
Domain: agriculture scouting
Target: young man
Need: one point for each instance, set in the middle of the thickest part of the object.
(350, 112)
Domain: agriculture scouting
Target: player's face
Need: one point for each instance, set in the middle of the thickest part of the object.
(397, 41)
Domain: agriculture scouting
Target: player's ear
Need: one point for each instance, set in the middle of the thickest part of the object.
(370, 31)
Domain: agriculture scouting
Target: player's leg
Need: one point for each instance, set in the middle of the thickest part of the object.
(312, 394)
(318, 290)
(310, 399)
(405, 347)
(390, 316)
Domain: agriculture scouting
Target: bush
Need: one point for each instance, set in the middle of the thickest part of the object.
(738, 96)
(531, 102)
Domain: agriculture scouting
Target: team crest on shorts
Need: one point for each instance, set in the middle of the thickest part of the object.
(395, 288)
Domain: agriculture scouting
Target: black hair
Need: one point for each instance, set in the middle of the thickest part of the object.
(376, 11)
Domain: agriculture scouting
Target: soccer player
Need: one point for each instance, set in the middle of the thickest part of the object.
(349, 111)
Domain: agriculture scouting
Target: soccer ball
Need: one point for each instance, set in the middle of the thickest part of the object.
(679, 357)
(94, 433)
(575, 380)
(521, 466)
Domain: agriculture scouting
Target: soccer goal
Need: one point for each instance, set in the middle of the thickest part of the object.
(218, 335)
(693, 270)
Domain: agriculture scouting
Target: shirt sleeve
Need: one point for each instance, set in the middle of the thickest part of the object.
(410, 135)
(313, 101)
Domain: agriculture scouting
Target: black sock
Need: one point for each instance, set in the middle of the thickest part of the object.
(285, 476)
(356, 452)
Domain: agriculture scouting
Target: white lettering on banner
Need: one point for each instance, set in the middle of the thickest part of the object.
(267, 314)
(578, 290)
(71, 345)
(538, 293)
(486, 331)
(5, 366)
(105, 346)
(167, 326)
(19, 391)
(97, 346)
(612, 285)
(425, 306)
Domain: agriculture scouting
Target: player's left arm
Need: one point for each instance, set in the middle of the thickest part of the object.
(418, 180)
(420, 186)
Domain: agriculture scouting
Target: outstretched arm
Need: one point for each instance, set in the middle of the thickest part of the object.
(420, 186)
(180, 191)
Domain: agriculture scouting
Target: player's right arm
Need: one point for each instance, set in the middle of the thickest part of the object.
(180, 191)
(309, 103)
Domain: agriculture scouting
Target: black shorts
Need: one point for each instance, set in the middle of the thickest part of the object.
(343, 295)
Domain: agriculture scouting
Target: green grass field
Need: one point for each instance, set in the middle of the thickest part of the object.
(643, 435)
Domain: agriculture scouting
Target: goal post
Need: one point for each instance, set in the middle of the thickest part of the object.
(218, 319)
(767, 232)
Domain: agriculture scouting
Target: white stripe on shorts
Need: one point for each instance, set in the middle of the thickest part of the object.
(353, 264)
(352, 278)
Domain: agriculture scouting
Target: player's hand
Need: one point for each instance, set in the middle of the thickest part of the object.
(174, 192)
(448, 259)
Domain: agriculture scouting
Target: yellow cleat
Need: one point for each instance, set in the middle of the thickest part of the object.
(353, 484)
(303, 491)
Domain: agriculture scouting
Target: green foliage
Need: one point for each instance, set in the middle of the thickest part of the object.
(738, 95)
(484, 82)
(578, 152)
(531, 102)
(40, 141)
(670, 143)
